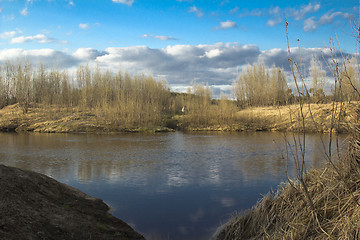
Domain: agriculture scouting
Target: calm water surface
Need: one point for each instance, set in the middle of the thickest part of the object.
(166, 186)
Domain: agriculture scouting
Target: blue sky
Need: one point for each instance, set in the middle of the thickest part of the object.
(181, 41)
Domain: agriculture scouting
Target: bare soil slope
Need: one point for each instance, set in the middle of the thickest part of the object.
(34, 206)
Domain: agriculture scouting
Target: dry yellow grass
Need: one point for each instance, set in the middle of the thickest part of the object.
(46, 119)
(287, 214)
(57, 119)
(288, 118)
(284, 118)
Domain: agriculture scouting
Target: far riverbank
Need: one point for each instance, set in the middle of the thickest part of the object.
(55, 119)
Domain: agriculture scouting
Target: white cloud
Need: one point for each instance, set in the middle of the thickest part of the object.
(162, 38)
(329, 17)
(84, 26)
(48, 57)
(276, 14)
(311, 24)
(39, 38)
(227, 24)
(24, 12)
(86, 54)
(234, 10)
(9, 34)
(253, 13)
(273, 22)
(213, 53)
(299, 14)
(127, 2)
(197, 11)
(275, 11)
(183, 63)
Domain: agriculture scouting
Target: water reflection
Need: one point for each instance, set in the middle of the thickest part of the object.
(175, 185)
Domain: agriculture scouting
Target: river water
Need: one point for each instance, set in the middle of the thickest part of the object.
(168, 185)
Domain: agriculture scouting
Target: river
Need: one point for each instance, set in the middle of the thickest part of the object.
(168, 185)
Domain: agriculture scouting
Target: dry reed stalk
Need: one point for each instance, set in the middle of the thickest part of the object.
(286, 215)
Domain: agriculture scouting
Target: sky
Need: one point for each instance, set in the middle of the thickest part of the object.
(181, 41)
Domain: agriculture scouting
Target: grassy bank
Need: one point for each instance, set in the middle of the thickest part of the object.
(318, 118)
(287, 214)
(57, 119)
(62, 120)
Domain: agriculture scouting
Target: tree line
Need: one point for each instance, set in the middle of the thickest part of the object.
(141, 100)
(259, 85)
(121, 99)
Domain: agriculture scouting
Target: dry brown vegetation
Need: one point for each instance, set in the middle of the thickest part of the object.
(94, 100)
(320, 203)
(57, 119)
(220, 116)
(258, 86)
(286, 214)
(124, 101)
(318, 117)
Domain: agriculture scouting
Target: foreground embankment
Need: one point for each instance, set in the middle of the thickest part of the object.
(288, 214)
(34, 206)
(313, 118)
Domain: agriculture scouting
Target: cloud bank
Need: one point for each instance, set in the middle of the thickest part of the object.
(217, 65)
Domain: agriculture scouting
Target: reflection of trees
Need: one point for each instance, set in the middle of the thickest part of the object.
(261, 160)
(266, 158)
(175, 159)
(34, 152)
(113, 170)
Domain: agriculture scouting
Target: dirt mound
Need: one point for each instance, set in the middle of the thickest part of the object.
(34, 206)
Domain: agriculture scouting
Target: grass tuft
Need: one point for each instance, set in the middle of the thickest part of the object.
(285, 214)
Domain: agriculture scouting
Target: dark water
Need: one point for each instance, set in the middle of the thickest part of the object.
(169, 185)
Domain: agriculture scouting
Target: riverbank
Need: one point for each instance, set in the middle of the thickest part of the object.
(34, 206)
(287, 213)
(317, 118)
(40, 119)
